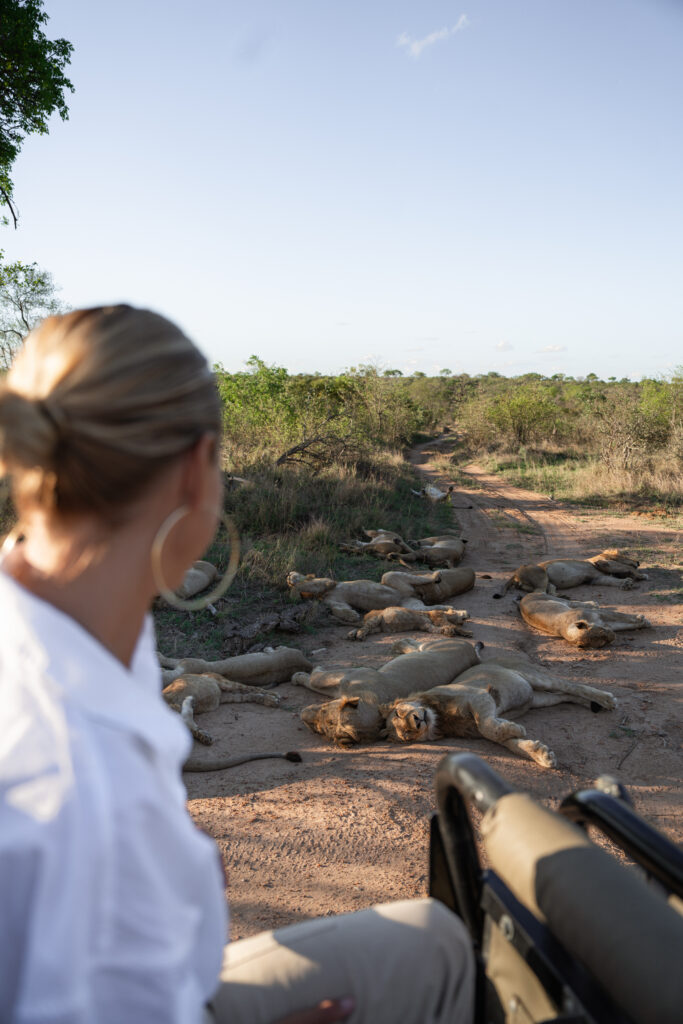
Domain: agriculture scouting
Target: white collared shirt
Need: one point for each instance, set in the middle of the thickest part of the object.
(111, 901)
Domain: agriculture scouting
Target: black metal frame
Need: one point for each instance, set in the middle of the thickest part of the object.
(659, 858)
(457, 879)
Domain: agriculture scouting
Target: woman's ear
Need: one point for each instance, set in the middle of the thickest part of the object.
(200, 473)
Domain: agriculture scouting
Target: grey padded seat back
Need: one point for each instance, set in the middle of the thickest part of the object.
(621, 929)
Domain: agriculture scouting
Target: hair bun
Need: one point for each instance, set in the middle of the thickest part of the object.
(96, 404)
(54, 415)
(29, 431)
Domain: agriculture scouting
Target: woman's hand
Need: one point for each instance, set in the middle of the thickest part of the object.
(327, 1012)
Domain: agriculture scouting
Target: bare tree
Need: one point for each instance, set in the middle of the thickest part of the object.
(27, 296)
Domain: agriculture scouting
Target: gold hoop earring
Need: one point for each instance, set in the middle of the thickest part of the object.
(199, 603)
(15, 535)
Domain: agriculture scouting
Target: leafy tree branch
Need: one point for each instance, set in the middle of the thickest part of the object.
(32, 83)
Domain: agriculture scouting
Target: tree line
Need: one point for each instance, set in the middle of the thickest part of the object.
(313, 418)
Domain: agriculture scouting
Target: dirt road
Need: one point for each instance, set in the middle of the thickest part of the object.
(345, 829)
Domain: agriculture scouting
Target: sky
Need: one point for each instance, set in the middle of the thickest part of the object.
(485, 185)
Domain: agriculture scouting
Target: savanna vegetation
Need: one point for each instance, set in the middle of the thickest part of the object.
(602, 443)
(323, 456)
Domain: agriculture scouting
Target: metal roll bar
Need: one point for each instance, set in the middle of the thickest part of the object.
(656, 854)
(462, 778)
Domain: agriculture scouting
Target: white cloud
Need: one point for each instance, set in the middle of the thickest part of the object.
(504, 346)
(415, 47)
(553, 348)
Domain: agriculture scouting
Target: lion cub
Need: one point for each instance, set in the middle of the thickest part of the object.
(190, 694)
(476, 702)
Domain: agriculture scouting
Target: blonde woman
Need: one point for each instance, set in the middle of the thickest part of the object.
(111, 902)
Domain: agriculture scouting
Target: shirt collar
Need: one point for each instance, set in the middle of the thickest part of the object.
(89, 676)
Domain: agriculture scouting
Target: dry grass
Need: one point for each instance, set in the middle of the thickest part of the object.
(655, 483)
(292, 518)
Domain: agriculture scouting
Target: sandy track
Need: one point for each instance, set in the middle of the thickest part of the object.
(348, 828)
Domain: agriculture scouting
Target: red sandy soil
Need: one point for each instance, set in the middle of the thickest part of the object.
(348, 828)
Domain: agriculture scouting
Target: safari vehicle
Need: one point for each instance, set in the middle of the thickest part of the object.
(562, 930)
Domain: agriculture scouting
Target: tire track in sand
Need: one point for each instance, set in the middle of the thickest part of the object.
(541, 527)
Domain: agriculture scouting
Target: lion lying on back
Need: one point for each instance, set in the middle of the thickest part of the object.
(611, 568)
(481, 701)
(444, 549)
(381, 543)
(447, 621)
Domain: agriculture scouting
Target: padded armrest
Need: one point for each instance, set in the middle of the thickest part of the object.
(620, 928)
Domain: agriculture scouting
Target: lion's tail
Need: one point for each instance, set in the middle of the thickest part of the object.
(198, 765)
(506, 586)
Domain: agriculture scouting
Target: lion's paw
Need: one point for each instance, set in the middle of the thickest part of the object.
(544, 756)
(606, 700)
(627, 584)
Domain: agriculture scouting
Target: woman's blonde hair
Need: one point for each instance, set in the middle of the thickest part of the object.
(97, 402)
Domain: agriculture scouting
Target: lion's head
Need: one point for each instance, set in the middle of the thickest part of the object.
(346, 721)
(586, 634)
(410, 721)
(617, 555)
(309, 586)
(528, 578)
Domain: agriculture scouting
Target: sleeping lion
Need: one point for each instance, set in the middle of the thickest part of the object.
(481, 701)
(582, 623)
(611, 568)
(192, 694)
(405, 589)
(441, 619)
(354, 715)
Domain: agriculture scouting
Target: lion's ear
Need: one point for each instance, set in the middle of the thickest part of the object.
(351, 702)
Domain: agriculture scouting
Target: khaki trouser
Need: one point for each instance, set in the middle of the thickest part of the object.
(403, 963)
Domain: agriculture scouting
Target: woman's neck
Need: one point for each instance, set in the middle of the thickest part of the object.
(100, 579)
